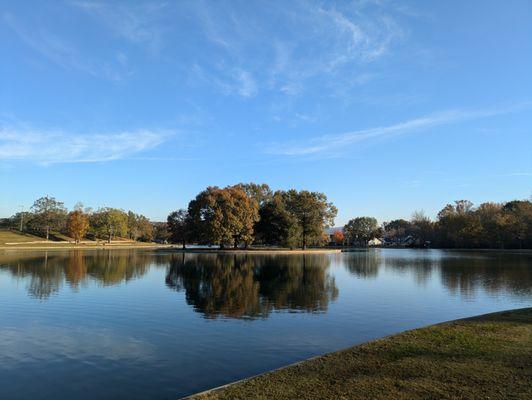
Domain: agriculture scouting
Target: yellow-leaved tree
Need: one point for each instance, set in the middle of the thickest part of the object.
(77, 225)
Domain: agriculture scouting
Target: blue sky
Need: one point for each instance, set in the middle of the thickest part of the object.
(386, 106)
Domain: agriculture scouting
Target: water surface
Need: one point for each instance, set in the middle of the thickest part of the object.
(146, 324)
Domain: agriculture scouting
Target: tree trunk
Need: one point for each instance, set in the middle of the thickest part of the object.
(184, 244)
(47, 232)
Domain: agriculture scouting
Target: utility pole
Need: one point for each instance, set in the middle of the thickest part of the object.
(21, 217)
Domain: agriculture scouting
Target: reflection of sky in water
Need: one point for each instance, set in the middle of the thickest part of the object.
(38, 343)
(140, 324)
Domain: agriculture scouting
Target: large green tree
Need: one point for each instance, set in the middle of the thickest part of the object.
(223, 216)
(312, 213)
(361, 229)
(179, 226)
(458, 225)
(261, 193)
(48, 214)
(277, 226)
(518, 222)
(139, 227)
(397, 230)
(109, 223)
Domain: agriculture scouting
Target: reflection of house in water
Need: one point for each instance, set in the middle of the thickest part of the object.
(242, 286)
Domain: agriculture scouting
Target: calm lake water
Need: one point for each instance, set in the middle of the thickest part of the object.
(146, 324)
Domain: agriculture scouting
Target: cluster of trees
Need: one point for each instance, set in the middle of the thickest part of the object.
(458, 225)
(237, 215)
(49, 217)
(494, 225)
(252, 213)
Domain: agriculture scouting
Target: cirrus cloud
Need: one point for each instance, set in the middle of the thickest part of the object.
(52, 147)
(333, 144)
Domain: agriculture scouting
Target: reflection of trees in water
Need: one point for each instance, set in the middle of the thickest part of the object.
(299, 282)
(461, 273)
(420, 267)
(225, 286)
(47, 272)
(490, 272)
(252, 286)
(113, 268)
(363, 264)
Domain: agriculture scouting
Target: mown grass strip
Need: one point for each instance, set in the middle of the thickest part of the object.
(485, 357)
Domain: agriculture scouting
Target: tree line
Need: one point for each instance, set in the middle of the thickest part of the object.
(250, 213)
(234, 216)
(49, 218)
(458, 225)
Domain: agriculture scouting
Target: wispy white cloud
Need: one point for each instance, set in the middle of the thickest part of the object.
(230, 81)
(63, 53)
(252, 47)
(247, 86)
(135, 22)
(329, 144)
(308, 41)
(49, 147)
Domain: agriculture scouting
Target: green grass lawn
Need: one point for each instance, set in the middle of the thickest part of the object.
(486, 357)
(8, 236)
(57, 239)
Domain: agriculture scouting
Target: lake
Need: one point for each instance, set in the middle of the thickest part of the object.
(152, 324)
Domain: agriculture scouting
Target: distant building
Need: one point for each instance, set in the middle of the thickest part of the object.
(375, 242)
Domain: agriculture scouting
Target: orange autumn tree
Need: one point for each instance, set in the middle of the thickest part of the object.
(77, 225)
(338, 237)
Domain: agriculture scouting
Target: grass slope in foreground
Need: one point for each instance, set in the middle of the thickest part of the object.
(485, 357)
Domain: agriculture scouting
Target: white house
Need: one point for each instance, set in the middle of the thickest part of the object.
(374, 242)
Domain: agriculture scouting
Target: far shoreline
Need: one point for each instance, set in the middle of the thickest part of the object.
(166, 247)
(177, 248)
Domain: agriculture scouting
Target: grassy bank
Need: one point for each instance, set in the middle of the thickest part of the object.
(486, 357)
(14, 240)
(7, 236)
